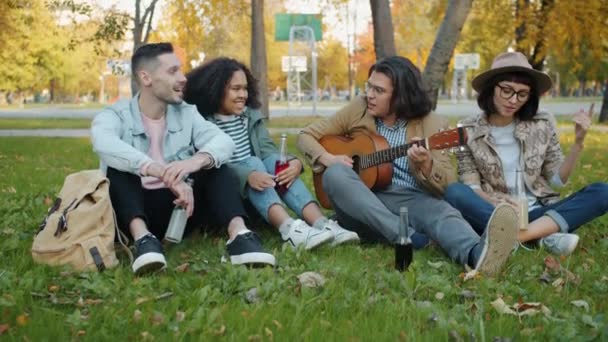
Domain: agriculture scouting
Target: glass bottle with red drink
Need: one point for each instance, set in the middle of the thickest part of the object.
(281, 164)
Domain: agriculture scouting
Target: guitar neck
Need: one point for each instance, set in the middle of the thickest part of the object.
(388, 155)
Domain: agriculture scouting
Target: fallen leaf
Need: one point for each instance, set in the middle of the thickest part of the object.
(164, 296)
(180, 316)
(559, 282)
(552, 264)
(439, 295)
(268, 332)
(81, 333)
(141, 300)
(220, 331)
(137, 315)
(146, 336)
(581, 304)
(22, 320)
(502, 308)
(311, 279)
(4, 328)
(545, 278)
(48, 201)
(182, 268)
(254, 338)
(53, 288)
(473, 274)
(157, 318)
(277, 324)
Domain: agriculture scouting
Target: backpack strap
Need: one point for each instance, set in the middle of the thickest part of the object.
(122, 238)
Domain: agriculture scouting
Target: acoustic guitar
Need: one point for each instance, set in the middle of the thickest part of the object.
(373, 156)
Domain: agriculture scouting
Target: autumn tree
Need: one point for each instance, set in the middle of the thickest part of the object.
(384, 37)
(445, 42)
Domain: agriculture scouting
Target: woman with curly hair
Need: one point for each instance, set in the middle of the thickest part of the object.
(225, 93)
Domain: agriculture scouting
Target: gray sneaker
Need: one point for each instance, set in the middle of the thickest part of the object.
(560, 243)
(340, 234)
(499, 239)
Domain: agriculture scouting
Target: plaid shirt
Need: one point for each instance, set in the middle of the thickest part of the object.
(395, 136)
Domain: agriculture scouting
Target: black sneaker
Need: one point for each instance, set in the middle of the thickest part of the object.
(148, 255)
(246, 249)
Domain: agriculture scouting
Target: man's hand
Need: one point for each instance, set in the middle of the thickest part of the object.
(155, 170)
(260, 180)
(185, 196)
(420, 157)
(289, 175)
(328, 159)
(176, 171)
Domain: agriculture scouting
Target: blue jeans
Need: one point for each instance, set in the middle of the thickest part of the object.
(569, 213)
(296, 198)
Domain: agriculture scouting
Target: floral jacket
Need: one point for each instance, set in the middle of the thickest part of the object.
(541, 157)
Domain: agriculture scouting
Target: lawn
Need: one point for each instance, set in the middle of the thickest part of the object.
(363, 298)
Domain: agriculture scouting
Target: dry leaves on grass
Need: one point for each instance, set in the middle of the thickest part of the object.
(520, 309)
(311, 279)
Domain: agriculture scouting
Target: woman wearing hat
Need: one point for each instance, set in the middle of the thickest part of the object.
(512, 134)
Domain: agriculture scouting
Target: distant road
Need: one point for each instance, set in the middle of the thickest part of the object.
(443, 108)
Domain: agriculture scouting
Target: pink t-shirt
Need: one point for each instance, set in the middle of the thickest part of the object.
(155, 129)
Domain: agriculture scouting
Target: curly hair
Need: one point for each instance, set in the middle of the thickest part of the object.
(206, 85)
(485, 99)
(409, 99)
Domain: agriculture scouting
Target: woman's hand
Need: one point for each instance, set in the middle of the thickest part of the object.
(260, 180)
(289, 175)
(582, 122)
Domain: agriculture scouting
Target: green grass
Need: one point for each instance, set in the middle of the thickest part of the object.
(363, 299)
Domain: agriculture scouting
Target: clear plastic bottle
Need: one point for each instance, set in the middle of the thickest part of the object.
(522, 199)
(177, 222)
(282, 163)
(403, 248)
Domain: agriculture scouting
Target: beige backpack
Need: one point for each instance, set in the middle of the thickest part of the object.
(79, 228)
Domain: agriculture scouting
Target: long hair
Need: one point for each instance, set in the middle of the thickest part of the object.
(485, 100)
(206, 86)
(409, 99)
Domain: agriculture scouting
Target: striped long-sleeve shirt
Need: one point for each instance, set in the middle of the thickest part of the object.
(395, 136)
(236, 127)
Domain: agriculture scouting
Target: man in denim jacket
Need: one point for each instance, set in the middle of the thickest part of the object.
(150, 145)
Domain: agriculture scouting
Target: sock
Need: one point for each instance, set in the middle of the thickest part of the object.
(245, 230)
(474, 254)
(285, 227)
(135, 238)
(320, 223)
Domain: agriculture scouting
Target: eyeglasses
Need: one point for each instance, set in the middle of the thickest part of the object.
(507, 93)
(377, 90)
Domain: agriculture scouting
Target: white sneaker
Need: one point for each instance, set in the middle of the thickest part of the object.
(499, 239)
(301, 234)
(340, 234)
(560, 243)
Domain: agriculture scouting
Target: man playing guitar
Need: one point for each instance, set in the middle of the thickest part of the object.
(396, 107)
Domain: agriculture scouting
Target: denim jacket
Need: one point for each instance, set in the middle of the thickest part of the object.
(119, 138)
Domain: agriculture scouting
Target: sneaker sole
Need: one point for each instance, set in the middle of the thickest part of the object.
(253, 258)
(502, 238)
(345, 238)
(318, 240)
(149, 263)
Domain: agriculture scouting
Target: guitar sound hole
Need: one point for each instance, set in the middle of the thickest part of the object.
(356, 165)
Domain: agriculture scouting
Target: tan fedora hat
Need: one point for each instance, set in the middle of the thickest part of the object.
(513, 62)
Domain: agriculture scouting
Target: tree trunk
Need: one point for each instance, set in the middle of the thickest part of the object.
(443, 48)
(604, 111)
(384, 35)
(258, 52)
(142, 25)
